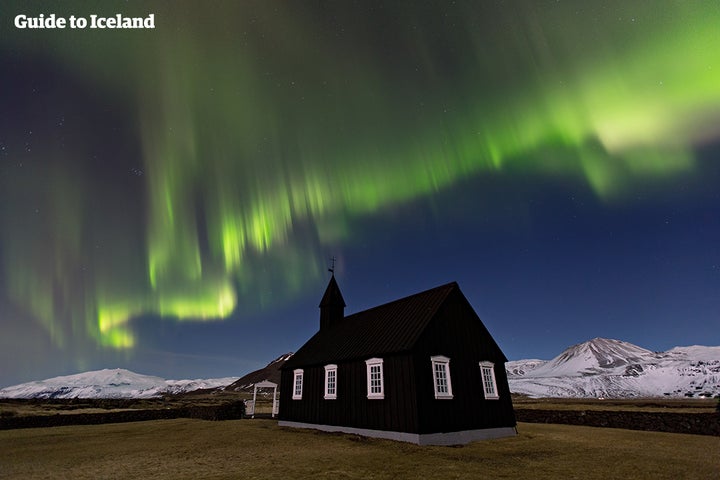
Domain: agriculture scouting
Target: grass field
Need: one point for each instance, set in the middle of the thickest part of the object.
(247, 449)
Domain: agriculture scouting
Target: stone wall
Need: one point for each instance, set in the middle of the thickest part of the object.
(673, 422)
(227, 411)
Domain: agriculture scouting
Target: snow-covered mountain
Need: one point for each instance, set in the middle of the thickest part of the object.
(614, 369)
(518, 368)
(115, 383)
(597, 368)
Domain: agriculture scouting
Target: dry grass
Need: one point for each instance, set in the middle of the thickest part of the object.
(249, 449)
(677, 405)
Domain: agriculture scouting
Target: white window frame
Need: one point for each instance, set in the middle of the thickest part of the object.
(494, 395)
(375, 395)
(297, 380)
(443, 363)
(331, 370)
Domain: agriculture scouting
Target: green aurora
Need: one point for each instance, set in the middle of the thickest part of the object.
(263, 129)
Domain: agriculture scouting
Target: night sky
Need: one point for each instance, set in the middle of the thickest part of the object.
(170, 197)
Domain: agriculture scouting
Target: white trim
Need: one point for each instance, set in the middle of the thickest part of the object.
(375, 367)
(450, 438)
(489, 366)
(331, 370)
(441, 364)
(297, 381)
(265, 384)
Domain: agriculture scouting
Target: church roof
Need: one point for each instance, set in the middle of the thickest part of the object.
(385, 329)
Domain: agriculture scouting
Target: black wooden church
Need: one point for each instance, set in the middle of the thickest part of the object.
(422, 369)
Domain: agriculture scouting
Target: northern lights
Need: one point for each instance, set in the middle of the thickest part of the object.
(204, 170)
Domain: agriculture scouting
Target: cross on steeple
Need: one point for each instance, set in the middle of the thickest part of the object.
(332, 265)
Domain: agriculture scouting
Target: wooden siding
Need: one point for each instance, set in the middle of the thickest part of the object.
(457, 333)
(396, 412)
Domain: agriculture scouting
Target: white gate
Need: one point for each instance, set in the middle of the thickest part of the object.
(250, 404)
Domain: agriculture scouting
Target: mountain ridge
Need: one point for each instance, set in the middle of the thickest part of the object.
(108, 383)
(599, 367)
(270, 372)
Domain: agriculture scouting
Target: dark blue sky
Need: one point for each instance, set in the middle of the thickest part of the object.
(170, 198)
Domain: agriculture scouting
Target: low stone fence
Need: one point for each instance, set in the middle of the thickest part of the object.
(228, 411)
(672, 422)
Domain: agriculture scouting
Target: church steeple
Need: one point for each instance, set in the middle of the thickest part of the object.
(332, 305)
